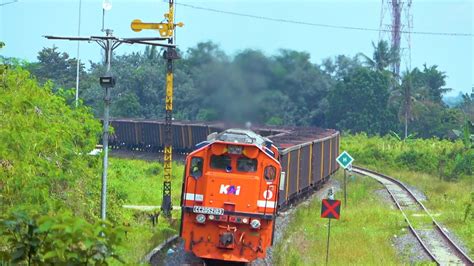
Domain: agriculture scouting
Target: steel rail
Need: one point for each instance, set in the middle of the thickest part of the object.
(463, 256)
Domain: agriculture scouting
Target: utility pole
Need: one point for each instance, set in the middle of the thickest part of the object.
(78, 65)
(166, 30)
(107, 82)
(108, 44)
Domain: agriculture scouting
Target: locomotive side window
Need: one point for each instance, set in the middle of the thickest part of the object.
(196, 167)
(270, 173)
(220, 162)
(246, 165)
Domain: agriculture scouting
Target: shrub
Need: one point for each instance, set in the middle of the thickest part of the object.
(44, 146)
(445, 158)
(62, 239)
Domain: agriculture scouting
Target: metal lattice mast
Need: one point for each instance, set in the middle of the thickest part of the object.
(409, 22)
(401, 20)
(166, 30)
(396, 36)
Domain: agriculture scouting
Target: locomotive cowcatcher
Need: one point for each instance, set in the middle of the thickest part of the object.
(229, 196)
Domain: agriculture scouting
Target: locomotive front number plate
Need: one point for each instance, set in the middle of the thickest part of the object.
(208, 210)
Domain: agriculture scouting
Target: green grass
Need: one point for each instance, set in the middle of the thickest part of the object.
(366, 224)
(447, 201)
(362, 236)
(139, 182)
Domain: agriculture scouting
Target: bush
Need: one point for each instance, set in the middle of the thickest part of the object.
(62, 239)
(44, 146)
(445, 158)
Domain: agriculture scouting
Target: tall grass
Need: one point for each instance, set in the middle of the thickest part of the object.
(441, 169)
(138, 182)
(448, 201)
(362, 236)
(446, 159)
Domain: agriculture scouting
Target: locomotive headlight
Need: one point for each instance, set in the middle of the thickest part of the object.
(232, 149)
(200, 218)
(255, 224)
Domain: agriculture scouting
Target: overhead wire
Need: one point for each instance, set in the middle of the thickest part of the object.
(11, 2)
(322, 25)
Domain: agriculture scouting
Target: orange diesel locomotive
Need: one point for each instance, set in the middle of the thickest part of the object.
(230, 196)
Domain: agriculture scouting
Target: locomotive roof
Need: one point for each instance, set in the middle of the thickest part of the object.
(243, 136)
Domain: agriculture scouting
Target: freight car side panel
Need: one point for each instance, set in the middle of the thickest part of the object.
(317, 161)
(326, 158)
(304, 169)
(139, 141)
(293, 170)
(334, 154)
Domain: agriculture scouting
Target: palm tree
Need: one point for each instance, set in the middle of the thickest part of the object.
(383, 56)
(408, 97)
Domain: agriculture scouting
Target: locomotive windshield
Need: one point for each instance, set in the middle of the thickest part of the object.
(196, 167)
(220, 162)
(246, 165)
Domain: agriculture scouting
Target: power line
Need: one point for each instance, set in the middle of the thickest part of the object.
(11, 2)
(322, 25)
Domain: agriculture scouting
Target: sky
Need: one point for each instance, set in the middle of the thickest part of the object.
(23, 23)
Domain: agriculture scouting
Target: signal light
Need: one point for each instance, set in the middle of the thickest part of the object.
(238, 219)
(255, 224)
(107, 81)
(201, 218)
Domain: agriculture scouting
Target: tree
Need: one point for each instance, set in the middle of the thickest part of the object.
(359, 103)
(56, 66)
(44, 146)
(467, 106)
(383, 56)
(304, 84)
(340, 66)
(436, 120)
(406, 96)
(434, 80)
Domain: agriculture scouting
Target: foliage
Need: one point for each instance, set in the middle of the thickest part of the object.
(44, 146)
(448, 160)
(467, 106)
(282, 89)
(359, 103)
(62, 239)
(383, 56)
(139, 183)
(57, 66)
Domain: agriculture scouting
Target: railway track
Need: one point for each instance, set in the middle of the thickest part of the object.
(432, 237)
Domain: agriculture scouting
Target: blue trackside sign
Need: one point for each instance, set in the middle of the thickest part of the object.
(344, 160)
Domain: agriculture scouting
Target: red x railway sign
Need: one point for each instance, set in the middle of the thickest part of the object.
(330, 208)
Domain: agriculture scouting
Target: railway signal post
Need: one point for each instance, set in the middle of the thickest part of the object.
(345, 161)
(166, 30)
(330, 208)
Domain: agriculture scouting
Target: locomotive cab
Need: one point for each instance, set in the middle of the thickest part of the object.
(230, 195)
